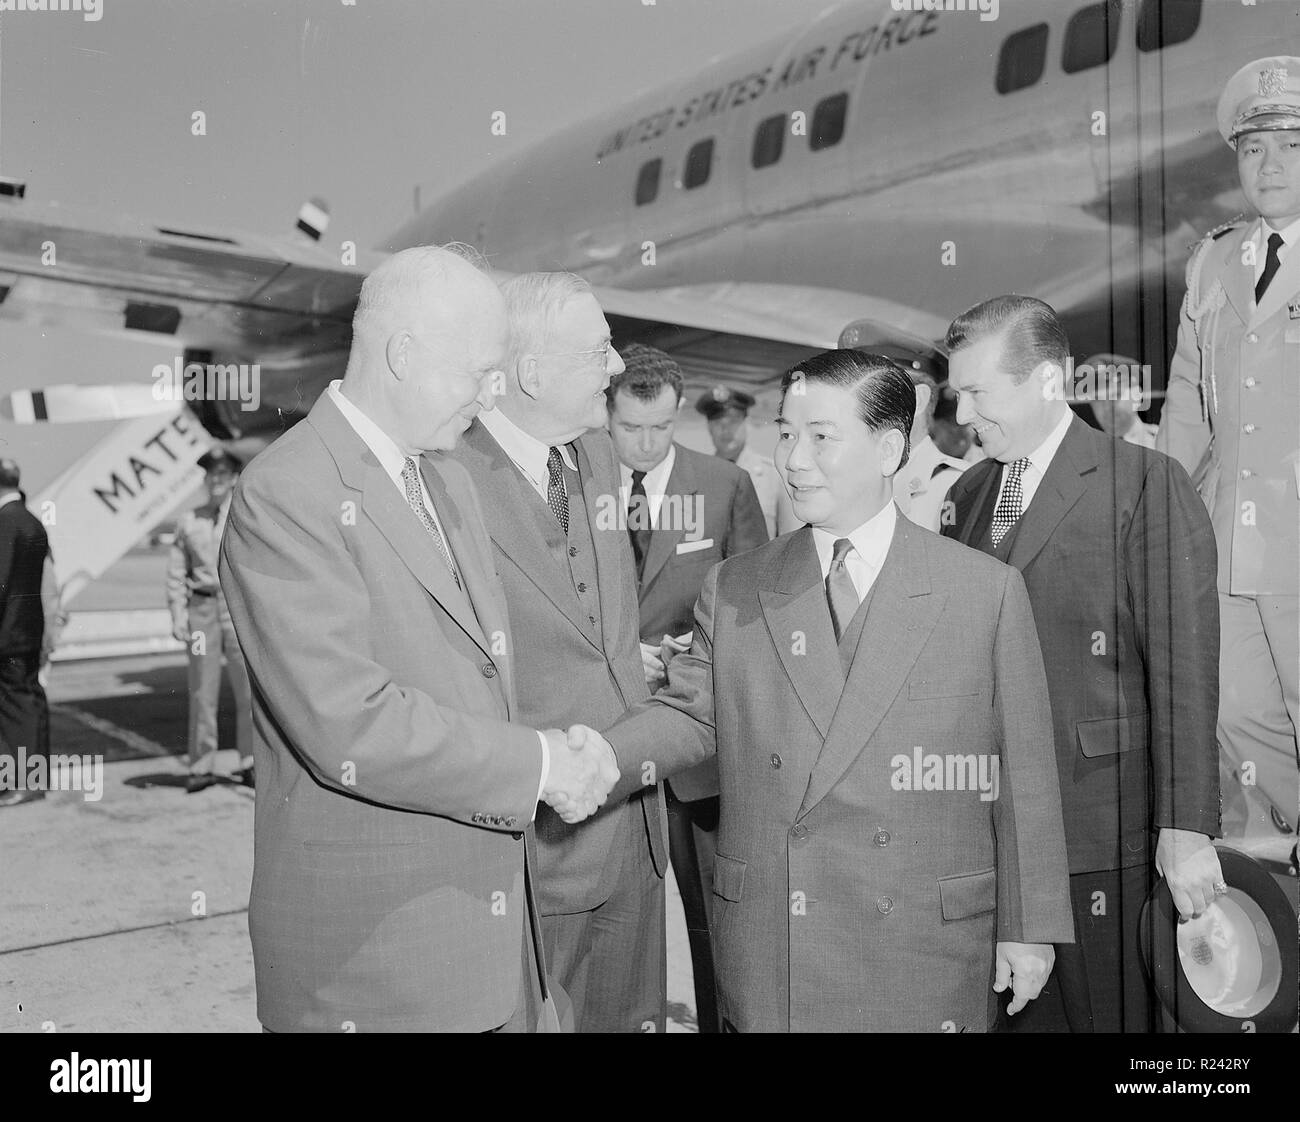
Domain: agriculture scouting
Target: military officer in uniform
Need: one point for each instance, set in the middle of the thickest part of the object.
(1232, 417)
(920, 487)
(727, 412)
(201, 621)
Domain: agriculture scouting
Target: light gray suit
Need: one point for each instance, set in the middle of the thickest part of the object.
(842, 900)
(393, 788)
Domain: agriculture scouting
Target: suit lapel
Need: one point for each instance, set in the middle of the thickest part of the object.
(975, 507)
(1282, 288)
(513, 515)
(799, 622)
(902, 614)
(1061, 488)
(1239, 282)
(473, 553)
(663, 543)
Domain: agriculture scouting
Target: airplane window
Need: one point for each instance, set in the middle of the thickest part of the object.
(1024, 54)
(699, 161)
(1166, 23)
(647, 181)
(828, 121)
(769, 138)
(1091, 36)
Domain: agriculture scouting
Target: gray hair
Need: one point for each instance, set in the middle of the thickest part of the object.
(533, 300)
(410, 278)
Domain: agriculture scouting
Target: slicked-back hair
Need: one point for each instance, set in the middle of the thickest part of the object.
(1031, 331)
(533, 300)
(886, 396)
(648, 370)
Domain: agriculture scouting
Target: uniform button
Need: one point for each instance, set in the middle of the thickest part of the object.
(591, 620)
(799, 830)
(1250, 383)
(1247, 428)
(582, 587)
(1252, 338)
(881, 838)
(573, 551)
(489, 671)
(776, 760)
(884, 904)
(1246, 473)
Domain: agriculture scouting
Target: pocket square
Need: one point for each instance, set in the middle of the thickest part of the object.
(691, 547)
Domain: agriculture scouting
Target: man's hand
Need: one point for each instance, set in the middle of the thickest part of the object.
(181, 631)
(1025, 966)
(583, 771)
(1190, 866)
(653, 665)
(674, 645)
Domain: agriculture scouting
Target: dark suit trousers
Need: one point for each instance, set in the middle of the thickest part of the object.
(684, 834)
(24, 713)
(612, 961)
(1097, 984)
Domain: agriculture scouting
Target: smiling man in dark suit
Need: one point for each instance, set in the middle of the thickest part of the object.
(1118, 556)
(686, 512)
(890, 851)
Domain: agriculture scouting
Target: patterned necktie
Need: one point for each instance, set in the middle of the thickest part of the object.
(557, 498)
(1010, 504)
(1271, 265)
(841, 593)
(638, 521)
(411, 478)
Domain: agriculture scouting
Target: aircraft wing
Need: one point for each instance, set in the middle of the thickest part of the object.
(233, 294)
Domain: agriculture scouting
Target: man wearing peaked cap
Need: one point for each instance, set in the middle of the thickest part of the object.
(727, 411)
(1232, 417)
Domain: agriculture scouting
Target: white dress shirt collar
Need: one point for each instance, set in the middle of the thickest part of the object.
(655, 482)
(1039, 461)
(871, 543)
(526, 452)
(391, 457)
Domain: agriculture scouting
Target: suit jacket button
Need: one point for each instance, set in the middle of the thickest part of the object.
(1252, 338)
(489, 671)
(776, 760)
(573, 551)
(882, 838)
(799, 830)
(582, 586)
(885, 904)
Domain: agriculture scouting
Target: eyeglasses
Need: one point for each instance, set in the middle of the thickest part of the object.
(605, 351)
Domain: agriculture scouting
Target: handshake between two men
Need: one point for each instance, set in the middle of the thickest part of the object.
(583, 772)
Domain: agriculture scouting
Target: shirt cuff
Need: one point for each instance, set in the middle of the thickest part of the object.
(546, 768)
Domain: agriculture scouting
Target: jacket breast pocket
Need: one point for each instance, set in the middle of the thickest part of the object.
(926, 688)
(728, 877)
(1110, 736)
(968, 894)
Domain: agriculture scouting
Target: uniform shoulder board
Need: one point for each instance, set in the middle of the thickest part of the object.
(1219, 231)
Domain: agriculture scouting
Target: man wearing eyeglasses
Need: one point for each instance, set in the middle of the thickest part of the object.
(545, 468)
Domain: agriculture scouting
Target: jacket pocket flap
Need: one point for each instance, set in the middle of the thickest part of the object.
(942, 687)
(728, 877)
(968, 894)
(1111, 735)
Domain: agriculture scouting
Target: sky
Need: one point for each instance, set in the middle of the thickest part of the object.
(363, 104)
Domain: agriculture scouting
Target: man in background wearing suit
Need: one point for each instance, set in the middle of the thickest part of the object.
(395, 783)
(890, 851)
(24, 634)
(1232, 419)
(920, 487)
(1118, 557)
(543, 464)
(685, 513)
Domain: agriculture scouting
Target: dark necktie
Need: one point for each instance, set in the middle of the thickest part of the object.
(557, 498)
(841, 594)
(638, 521)
(1271, 265)
(1011, 503)
(411, 479)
